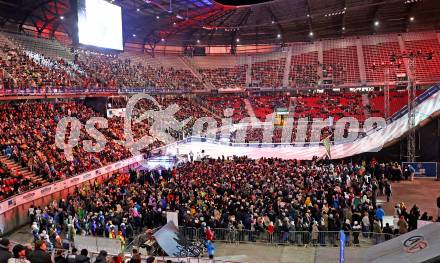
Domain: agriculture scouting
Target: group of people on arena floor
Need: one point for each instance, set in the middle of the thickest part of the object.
(41, 253)
(263, 196)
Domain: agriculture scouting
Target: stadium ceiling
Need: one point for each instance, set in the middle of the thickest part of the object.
(207, 22)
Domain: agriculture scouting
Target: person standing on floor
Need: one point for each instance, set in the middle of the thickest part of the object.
(19, 252)
(403, 225)
(356, 231)
(388, 190)
(40, 255)
(380, 213)
(438, 207)
(4, 250)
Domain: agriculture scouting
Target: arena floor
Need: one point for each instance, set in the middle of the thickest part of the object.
(259, 253)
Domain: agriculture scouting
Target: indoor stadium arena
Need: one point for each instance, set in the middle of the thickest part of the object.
(219, 131)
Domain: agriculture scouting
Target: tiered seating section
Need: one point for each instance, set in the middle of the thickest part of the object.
(376, 55)
(265, 105)
(20, 69)
(27, 62)
(29, 157)
(45, 47)
(342, 65)
(13, 182)
(23, 69)
(398, 100)
(225, 78)
(218, 104)
(268, 73)
(30, 140)
(112, 72)
(304, 69)
(324, 105)
(426, 70)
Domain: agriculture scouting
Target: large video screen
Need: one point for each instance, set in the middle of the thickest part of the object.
(100, 24)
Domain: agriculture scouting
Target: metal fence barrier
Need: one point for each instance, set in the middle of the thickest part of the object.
(299, 238)
(93, 243)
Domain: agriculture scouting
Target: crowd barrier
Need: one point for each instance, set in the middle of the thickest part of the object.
(299, 238)
(158, 91)
(94, 243)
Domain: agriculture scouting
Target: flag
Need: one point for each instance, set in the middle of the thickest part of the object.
(327, 145)
(342, 239)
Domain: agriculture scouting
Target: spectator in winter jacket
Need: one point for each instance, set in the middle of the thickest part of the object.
(376, 231)
(380, 213)
(40, 255)
(102, 257)
(388, 231)
(4, 250)
(83, 257)
(356, 232)
(19, 252)
(438, 207)
(59, 258)
(403, 225)
(72, 256)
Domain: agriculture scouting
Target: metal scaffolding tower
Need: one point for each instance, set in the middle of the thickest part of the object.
(411, 57)
(386, 67)
(411, 141)
(386, 93)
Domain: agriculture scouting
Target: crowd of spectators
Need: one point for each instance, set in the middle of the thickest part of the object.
(268, 73)
(13, 183)
(304, 75)
(30, 141)
(225, 78)
(268, 104)
(110, 71)
(21, 69)
(217, 105)
(327, 104)
(263, 196)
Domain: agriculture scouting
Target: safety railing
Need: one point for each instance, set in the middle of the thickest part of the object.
(54, 91)
(299, 238)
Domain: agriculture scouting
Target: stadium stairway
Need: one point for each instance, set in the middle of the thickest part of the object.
(292, 106)
(5, 41)
(199, 103)
(17, 169)
(206, 84)
(365, 103)
(249, 109)
(49, 48)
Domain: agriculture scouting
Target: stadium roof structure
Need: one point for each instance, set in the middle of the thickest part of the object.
(209, 22)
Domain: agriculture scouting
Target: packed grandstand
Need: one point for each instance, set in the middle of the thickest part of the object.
(238, 157)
